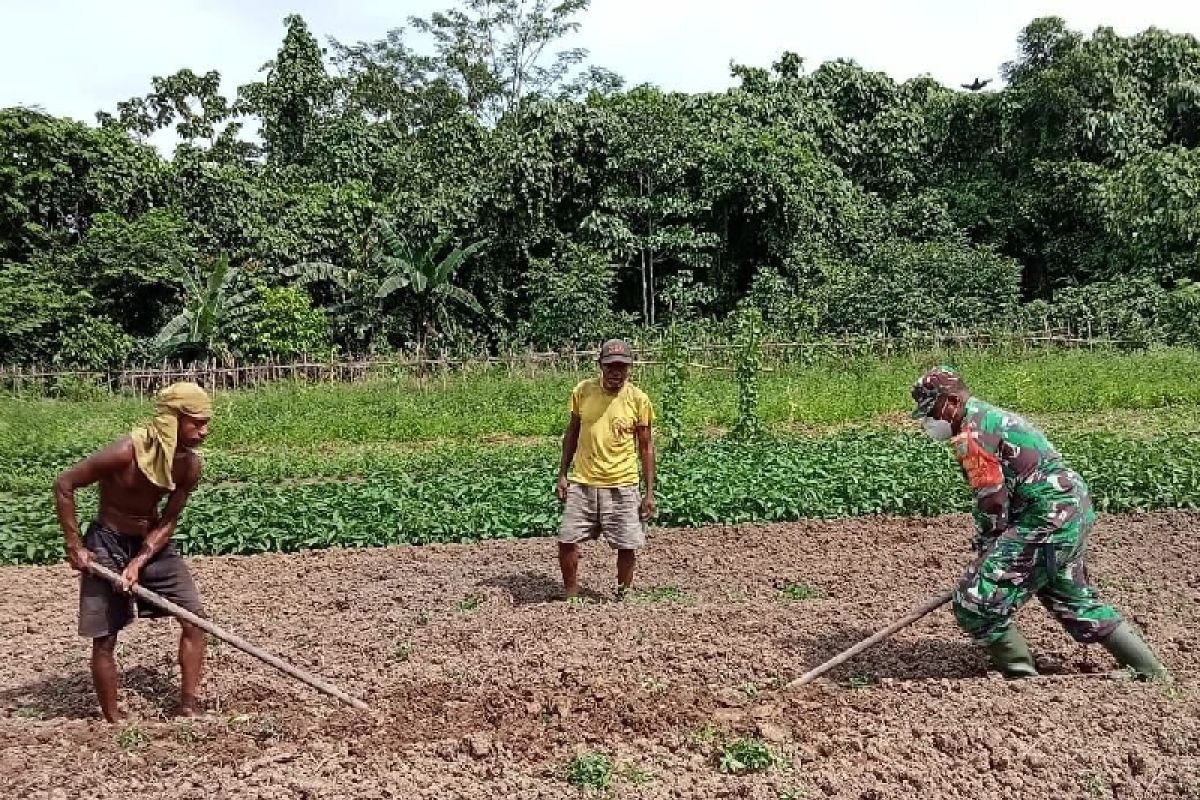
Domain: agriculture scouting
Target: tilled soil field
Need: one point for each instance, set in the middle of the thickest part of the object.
(484, 685)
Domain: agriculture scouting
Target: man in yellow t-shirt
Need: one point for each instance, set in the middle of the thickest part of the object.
(608, 415)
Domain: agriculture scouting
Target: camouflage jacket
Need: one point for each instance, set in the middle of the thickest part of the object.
(1016, 475)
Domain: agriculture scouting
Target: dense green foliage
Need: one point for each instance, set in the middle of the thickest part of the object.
(532, 199)
(293, 466)
(499, 493)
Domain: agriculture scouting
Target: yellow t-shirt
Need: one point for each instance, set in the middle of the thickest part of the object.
(607, 451)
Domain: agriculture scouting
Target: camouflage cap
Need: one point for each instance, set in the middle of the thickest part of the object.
(932, 385)
(616, 351)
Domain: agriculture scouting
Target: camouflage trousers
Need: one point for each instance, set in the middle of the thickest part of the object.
(1011, 569)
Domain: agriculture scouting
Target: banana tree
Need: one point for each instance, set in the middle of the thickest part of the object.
(428, 276)
(210, 305)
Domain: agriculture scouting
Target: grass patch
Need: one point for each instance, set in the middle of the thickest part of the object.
(469, 603)
(593, 771)
(793, 794)
(750, 690)
(188, 733)
(862, 680)
(658, 594)
(746, 755)
(798, 591)
(631, 773)
(706, 736)
(131, 738)
(480, 405)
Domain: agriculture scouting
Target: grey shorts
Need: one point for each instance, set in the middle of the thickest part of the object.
(104, 609)
(608, 511)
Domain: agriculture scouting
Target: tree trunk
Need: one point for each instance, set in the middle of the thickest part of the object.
(645, 293)
(652, 305)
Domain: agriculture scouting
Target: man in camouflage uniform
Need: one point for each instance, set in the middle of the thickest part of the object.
(1033, 516)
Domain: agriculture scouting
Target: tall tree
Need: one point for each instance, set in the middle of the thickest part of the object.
(295, 99)
(491, 54)
(190, 102)
(651, 194)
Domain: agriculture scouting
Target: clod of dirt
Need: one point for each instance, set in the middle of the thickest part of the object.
(764, 711)
(479, 744)
(772, 732)
(731, 698)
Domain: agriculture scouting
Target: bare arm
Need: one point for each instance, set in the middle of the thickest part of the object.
(84, 473)
(646, 451)
(570, 443)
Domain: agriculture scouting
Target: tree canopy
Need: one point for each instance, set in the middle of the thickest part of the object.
(465, 182)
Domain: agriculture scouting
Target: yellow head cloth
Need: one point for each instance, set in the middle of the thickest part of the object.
(155, 441)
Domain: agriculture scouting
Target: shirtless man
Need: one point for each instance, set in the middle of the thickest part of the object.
(132, 537)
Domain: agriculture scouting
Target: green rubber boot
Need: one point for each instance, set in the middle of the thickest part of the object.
(1010, 655)
(1130, 651)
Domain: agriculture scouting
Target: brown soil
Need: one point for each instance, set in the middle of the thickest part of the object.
(484, 686)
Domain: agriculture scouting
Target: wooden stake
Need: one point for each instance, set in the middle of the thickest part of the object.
(236, 641)
(874, 639)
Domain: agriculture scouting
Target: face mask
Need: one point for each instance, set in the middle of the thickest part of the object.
(937, 429)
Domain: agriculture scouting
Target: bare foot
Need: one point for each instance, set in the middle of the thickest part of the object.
(188, 707)
(116, 718)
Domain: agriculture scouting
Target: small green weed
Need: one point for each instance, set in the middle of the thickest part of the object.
(580, 600)
(798, 591)
(29, 712)
(590, 771)
(131, 737)
(746, 755)
(402, 651)
(706, 736)
(424, 617)
(1170, 690)
(1094, 783)
(470, 603)
(793, 793)
(268, 728)
(188, 733)
(749, 689)
(635, 775)
(862, 680)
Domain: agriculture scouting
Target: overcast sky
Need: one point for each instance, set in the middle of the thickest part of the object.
(74, 58)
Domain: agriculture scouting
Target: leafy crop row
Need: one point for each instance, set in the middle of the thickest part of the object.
(504, 493)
